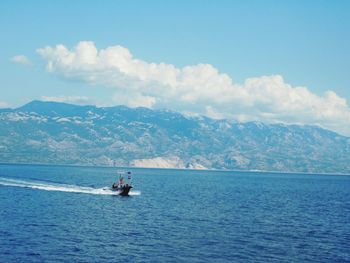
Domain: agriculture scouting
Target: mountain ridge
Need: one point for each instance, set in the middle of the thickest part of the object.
(54, 132)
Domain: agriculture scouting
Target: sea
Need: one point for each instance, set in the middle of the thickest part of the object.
(69, 214)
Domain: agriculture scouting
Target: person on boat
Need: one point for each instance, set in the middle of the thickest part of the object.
(121, 181)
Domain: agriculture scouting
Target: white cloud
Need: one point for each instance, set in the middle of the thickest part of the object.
(21, 59)
(198, 89)
(3, 104)
(81, 100)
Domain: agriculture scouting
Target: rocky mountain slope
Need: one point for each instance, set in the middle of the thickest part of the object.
(59, 133)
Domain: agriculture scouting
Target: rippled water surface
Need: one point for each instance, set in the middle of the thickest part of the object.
(67, 214)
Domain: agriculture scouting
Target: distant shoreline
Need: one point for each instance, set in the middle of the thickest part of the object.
(181, 169)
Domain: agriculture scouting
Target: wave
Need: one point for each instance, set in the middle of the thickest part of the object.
(61, 187)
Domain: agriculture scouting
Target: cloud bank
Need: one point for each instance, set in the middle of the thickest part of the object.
(197, 89)
(80, 100)
(3, 104)
(21, 59)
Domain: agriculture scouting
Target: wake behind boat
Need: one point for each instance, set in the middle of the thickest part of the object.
(123, 186)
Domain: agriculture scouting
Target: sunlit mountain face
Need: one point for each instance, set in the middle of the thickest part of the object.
(59, 133)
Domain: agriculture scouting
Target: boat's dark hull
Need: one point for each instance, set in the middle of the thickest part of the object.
(124, 191)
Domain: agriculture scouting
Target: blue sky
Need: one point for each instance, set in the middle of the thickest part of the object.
(304, 42)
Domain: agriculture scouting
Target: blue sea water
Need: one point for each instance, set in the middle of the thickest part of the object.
(62, 214)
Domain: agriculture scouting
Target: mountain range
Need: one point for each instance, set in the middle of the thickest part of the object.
(60, 133)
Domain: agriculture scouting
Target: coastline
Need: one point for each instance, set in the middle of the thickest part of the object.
(180, 169)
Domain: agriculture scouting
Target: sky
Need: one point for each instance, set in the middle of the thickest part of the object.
(270, 61)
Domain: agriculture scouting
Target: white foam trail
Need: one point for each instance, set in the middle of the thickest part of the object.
(61, 187)
(134, 192)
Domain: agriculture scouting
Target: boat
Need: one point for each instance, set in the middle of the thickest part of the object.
(122, 189)
(123, 186)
